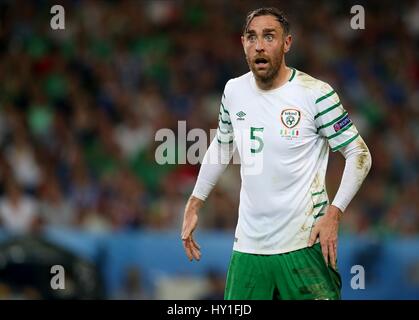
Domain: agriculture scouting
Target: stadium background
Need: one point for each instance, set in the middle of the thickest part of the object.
(79, 109)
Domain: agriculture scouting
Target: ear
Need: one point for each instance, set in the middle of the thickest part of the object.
(287, 43)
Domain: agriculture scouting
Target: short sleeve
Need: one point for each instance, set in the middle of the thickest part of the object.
(332, 120)
(225, 133)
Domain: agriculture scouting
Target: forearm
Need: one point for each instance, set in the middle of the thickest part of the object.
(357, 165)
(215, 161)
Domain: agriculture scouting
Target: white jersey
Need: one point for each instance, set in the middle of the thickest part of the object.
(288, 131)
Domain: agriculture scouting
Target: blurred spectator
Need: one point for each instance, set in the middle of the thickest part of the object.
(54, 209)
(18, 213)
(22, 160)
(132, 136)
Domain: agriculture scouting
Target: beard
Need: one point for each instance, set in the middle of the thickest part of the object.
(268, 73)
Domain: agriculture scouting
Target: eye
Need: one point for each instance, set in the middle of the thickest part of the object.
(269, 37)
(251, 38)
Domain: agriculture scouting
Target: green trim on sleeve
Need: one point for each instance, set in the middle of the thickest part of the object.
(223, 121)
(325, 96)
(327, 110)
(219, 141)
(222, 106)
(317, 193)
(320, 204)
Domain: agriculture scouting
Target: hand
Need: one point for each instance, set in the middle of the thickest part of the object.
(190, 221)
(327, 229)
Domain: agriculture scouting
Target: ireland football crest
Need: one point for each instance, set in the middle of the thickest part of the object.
(290, 117)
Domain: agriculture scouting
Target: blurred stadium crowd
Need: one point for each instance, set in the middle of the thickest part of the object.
(79, 108)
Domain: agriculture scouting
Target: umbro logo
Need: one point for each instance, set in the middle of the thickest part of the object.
(240, 115)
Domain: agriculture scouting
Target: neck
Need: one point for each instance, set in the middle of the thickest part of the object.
(280, 79)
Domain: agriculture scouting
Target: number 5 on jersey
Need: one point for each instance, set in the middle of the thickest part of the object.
(256, 135)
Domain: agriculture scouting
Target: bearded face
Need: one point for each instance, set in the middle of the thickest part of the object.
(265, 45)
(265, 66)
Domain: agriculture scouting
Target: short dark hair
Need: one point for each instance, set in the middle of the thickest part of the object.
(270, 11)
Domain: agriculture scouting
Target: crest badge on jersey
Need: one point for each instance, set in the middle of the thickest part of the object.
(290, 118)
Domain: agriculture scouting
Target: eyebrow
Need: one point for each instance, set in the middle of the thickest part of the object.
(251, 31)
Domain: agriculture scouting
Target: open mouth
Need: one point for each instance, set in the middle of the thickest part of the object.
(261, 62)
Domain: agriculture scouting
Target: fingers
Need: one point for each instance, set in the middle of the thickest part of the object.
(196, 253)
(196, 244)
(313, 236)
(326, 229)
(187, 248)
(325, 251)
(329, 251)
(192, 249)
(332, 253)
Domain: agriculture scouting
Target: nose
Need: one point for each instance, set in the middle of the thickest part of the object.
(259, 46)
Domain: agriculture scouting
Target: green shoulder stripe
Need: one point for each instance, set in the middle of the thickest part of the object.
(325, 96)
(327, 110)
(222, 106)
